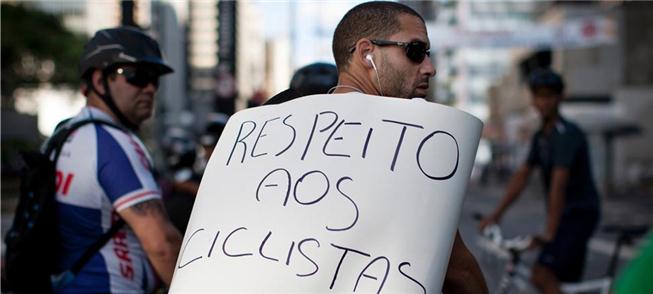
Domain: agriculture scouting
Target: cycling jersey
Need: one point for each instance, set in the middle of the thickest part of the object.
(103, 170)
(566, 147)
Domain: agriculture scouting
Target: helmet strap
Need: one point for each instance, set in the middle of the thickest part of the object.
(108, 100)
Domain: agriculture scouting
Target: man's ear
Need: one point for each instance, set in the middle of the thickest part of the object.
(97, 81)
(364, 47)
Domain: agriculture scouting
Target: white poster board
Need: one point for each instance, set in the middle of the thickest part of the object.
(330, 194)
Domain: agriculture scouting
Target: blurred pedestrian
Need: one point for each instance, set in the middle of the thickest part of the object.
(107, 172)
(214, 126)
(180, 183)
(559, 149)
(186, 161)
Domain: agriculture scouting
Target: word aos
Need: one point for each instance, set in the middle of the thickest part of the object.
(278, 184)
(436, 153)
(367, 273)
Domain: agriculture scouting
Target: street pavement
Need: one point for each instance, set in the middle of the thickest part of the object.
(527, 216)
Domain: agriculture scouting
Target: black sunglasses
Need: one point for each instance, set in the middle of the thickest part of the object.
(139, 77)
(416, 51)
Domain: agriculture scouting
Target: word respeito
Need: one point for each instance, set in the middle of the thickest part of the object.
(328, 128)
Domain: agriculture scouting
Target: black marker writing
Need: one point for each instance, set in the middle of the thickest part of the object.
(278, 170)
(411, 278)
(350, 200)
(299, 247)
(367, 142)
(261, 135)
(346, 250)
(240, 140)
(292, 246)
(224, 245)
(419, 151)
(385, 276)
(301, 179)
(294, 135)
(213, 244)
(260, 248)
(184, 250)
(310, 137)
(401, 139)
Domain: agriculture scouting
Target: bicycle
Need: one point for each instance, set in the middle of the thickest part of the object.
(517, 275)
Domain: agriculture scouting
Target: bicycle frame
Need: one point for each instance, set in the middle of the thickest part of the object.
(516, 274)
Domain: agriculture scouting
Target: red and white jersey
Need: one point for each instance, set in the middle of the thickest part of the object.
(103, 170)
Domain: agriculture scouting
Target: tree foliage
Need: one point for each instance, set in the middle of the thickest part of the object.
(36, 48)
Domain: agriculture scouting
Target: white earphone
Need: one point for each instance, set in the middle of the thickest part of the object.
(369, 58)
(378, 80)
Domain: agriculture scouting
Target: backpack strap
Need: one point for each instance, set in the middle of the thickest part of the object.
(59, 138)
(91, 250)
(54, 145)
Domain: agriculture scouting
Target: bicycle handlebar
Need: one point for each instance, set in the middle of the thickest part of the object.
(493, 234)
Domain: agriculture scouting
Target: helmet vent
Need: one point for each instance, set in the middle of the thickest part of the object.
(127, 57)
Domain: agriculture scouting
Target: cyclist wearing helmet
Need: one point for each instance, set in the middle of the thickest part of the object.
(315, 78)
(559, 149)
(105, 173)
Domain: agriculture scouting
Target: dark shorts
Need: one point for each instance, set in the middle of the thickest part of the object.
(565, 255)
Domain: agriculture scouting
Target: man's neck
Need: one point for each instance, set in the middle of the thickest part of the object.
(549, 123)
(351, 82)
(96, 102)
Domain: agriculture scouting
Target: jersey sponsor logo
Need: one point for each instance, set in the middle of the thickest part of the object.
(63, 181)
(121, 250)
(141, 154)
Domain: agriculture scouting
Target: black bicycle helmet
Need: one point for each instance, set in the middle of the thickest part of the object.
(115, 46)
(214, 126)
(121, 45)
(315, 78)
(546, 78)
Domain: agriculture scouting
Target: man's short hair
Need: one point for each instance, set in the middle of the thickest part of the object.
(546, 78)
(374, 20)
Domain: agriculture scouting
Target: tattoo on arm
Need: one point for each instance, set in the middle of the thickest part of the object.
(149, 207)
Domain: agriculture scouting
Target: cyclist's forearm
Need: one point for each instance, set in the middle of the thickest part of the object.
(515, 187)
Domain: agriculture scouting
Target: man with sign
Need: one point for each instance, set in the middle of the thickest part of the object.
(394, 36)
(323, 194)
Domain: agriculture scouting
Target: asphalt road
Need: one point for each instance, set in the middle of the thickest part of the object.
(527, 216)
(524, 218)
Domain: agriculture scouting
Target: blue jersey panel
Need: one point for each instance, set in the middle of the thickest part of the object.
(93, 279)
(115, 172)
(78, 230)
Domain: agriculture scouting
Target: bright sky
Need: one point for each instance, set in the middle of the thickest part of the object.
(314, 23)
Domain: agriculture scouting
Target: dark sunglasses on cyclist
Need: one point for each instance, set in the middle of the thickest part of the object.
(138, 77)
(416, 51)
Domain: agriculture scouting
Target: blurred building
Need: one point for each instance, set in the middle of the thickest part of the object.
(251, 53)
(467, 64)
(609, 82)
(277, 67)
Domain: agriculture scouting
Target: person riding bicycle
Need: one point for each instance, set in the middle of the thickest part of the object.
(560, 150)
(105, 173)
